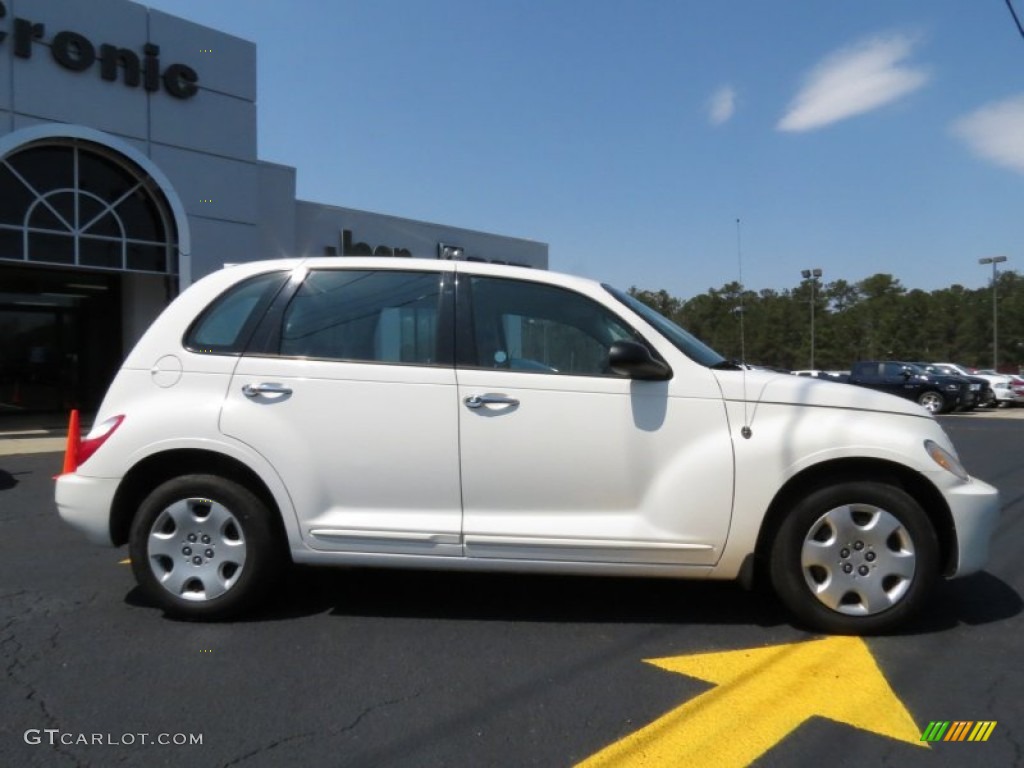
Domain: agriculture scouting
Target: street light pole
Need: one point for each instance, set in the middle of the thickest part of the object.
(812, 275)
(994, 260)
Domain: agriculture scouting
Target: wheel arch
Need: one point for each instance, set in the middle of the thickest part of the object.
(852, 470)
(153, 470)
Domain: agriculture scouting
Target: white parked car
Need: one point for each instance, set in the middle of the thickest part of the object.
(438, 414)
(1006, 387)
(1017, 385)
(1000, 383)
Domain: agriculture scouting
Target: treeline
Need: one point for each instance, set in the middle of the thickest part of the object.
(874, 319)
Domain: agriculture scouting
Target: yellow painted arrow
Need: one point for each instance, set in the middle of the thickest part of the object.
(762, 695)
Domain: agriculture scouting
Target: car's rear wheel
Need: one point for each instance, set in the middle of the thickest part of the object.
(934, 402)
(203, 547)
(855, 558)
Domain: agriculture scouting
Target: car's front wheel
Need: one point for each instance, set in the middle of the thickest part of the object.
(203, 547)
(855, 558)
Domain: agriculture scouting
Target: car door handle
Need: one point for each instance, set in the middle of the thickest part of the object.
(478, 401)
(265, 388)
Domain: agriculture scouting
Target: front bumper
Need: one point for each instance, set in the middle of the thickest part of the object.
(975, 508)
(85, 503)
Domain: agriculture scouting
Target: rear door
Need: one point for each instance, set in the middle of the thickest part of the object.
(350, 394)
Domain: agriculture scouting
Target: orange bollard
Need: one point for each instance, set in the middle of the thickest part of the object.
(71, 448)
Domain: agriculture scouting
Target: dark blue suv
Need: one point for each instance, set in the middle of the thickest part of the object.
(936, 392)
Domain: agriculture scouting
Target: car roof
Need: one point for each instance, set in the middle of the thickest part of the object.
(245, 269)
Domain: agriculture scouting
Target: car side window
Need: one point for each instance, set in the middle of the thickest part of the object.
(364, 316)
(224, 327)
(525, 326)
(894, 370)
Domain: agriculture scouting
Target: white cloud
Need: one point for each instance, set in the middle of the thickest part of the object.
(722, 105)
(996, 132)
(854, 80)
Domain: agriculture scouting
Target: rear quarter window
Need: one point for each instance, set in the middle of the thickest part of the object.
(225, 326)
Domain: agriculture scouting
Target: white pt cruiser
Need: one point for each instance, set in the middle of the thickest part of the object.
(437, 414)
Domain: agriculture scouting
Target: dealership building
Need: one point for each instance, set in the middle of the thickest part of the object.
(128, 170)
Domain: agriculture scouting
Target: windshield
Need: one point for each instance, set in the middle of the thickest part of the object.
(684, 341)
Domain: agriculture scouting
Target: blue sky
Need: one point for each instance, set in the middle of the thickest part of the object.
(858, 137)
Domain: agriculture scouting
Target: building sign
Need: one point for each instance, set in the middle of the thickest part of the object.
(444, 251)
(348, 248)
(77, 53)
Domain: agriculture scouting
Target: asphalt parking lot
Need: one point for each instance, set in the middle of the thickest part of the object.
(358, 668)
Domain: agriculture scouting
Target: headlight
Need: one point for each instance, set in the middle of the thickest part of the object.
(946, 460)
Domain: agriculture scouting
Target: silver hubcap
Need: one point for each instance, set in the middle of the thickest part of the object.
(931, 401)
(196, 549)
(858, 559)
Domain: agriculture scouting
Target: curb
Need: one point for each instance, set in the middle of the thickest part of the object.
(23, 436)
(15, 443)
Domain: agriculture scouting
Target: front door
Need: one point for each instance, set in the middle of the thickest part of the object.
(562, 460)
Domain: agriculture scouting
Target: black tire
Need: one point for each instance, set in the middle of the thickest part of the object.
(204, 547)
(932, 401)
(856, 558)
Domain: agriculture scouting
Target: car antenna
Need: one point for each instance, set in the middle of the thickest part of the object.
(746, 431)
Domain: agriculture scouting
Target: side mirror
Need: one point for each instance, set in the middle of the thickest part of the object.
(628, 358)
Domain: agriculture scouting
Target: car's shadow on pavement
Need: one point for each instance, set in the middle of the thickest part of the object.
(304, 591)
(974, 600)
(543, 598)
(385, 593)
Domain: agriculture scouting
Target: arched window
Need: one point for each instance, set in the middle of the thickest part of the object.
(78, 203)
